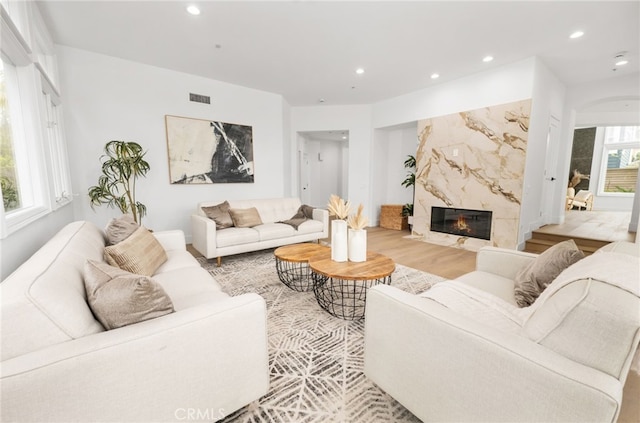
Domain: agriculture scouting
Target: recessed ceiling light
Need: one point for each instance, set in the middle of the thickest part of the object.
(359, 71)
(193, 10)
(621, 59)
(487, 59)
(576, 34)
(435, 76)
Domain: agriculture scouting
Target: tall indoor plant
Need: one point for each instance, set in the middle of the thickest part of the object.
(122, 163)
(409, 181)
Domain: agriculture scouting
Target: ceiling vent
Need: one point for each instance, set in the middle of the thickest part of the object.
(199, 98)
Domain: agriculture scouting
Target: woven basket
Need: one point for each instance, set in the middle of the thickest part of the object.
(391, 217)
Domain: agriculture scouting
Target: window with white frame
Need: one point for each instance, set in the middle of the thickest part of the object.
(9, 182)
(34, 172)
(620, 160)
(21, 178)
(61, 181)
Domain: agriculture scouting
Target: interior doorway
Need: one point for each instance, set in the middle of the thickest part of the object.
(550, 169)
(323, 159)
(600, 114)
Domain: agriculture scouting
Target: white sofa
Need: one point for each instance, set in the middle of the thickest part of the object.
(206, 359)
(216, 243)
(463, 351)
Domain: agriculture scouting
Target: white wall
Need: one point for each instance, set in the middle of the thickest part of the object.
(108, 98)
(548, 97)
(326, 175)
(357, 121)
(391, 146)
(501, 85)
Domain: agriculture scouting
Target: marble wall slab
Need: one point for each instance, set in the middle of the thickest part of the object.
(473, 160)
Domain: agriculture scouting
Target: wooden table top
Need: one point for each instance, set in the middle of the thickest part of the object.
(376, 266)
(299, 253)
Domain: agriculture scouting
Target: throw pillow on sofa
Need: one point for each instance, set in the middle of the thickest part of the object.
(120, 229)
(119, 298)
(245, 218)
(219, 214)
(534, 278)
(140, 253)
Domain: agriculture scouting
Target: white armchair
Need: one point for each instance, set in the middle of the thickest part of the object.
(582, 200)
(472, 356)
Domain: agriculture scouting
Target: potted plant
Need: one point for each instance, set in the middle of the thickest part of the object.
(409, 181)
(123, 162)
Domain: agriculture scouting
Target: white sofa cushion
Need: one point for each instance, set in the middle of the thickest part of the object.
(177, 259)
(46, 298)
(476, 304)
(269, 231)
(499, 286)
(188, 287)
(310, 226)
(584, 313)
(271, 209)
(236, 236)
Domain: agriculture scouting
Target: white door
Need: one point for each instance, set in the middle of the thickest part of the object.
(551, 181)
(303, 159)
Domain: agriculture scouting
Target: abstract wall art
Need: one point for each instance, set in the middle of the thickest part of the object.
(208, 152)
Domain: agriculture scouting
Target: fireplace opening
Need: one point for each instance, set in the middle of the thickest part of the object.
(462, 222)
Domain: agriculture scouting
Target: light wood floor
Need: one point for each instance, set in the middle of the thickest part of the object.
(442, 261)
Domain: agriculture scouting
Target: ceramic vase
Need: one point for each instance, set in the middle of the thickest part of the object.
(339, 242)
(357, 245)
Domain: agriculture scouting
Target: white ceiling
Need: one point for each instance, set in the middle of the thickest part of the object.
(309, 50)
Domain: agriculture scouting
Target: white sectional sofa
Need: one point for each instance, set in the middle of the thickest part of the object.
(464, 351)
(216, 243)
(208, 358)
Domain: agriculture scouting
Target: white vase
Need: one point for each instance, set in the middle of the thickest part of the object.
(357, 245)
(339, 240)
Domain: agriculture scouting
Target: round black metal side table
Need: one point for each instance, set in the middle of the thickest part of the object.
(293, 267)
(341, 287)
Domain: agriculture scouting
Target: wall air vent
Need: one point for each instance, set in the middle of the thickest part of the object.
(199, 98)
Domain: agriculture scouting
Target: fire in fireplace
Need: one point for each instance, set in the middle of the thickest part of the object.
(462, 222)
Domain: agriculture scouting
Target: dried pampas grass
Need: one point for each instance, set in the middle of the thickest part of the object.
(358, 221)
(338, 207)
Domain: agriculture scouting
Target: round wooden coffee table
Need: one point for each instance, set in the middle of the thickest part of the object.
(341, 287)
(292, 264)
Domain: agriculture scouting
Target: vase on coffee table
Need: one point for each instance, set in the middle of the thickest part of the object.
(357, 245)
(339, 241)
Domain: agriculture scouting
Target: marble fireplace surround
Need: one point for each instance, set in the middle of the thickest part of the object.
(473, 160)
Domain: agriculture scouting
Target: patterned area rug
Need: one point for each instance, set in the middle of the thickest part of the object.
(315, 360)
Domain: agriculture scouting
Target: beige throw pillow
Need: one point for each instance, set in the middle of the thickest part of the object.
(245, 218)
(534, 278)
(118, 298)
(140, 253)
(120, 229)
(219, 214)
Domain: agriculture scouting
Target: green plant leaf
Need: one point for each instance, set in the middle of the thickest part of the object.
(122, 163)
